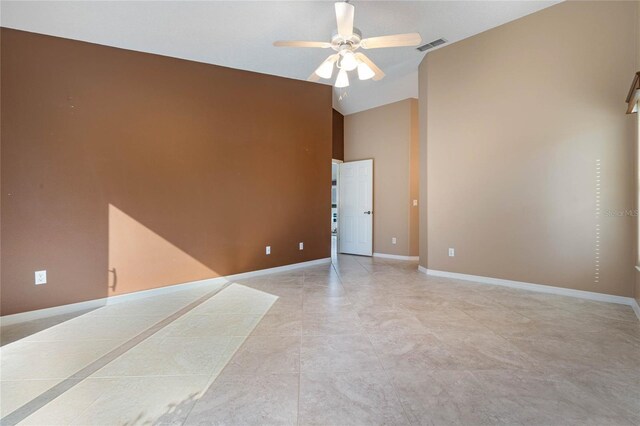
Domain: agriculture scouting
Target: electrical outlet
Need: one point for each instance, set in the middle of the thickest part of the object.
(301, 246)
(452, 252)
(394, 240)
(415, 203)
(268, 250)
(41, 277)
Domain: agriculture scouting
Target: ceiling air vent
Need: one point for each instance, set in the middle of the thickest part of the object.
(433, 44)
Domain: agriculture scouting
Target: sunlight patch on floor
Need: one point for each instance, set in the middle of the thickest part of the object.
(169, 369)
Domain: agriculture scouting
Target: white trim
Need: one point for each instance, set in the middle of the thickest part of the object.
(636, 307)
(97, 303)
(600, 297)
(395, 256)
(277, 269)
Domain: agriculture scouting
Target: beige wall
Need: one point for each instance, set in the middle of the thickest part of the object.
(385, 134)
(414, 182)
(514, 123)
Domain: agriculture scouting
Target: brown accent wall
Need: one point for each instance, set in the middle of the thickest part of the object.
(338, 136)
(124, 171)
(515, 122)
(388, 135)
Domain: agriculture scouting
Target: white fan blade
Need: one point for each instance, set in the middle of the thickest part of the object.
(320, 44)
(379, 74)
(344, 17)
(397, 40)
(314, 78)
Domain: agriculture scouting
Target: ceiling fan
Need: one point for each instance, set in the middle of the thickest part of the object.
(346, 41)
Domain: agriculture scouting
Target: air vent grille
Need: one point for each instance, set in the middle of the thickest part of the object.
(433, 44)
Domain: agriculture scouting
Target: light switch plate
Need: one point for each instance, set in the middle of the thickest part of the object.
(452, 252)
(41, 277)
(268, 250)
(301, 246)
(394, 240)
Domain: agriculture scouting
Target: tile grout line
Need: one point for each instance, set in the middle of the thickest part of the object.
(24, 411)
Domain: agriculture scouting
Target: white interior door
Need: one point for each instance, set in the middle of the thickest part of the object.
(355, 228)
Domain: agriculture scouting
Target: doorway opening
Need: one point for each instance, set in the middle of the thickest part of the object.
(352, 207)
(334, 206)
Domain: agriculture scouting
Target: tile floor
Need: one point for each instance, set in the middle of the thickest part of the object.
(361, 342)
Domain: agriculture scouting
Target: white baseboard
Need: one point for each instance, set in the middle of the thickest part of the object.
(600, 297)
(277, 269)
(395, 256)
(97, 303)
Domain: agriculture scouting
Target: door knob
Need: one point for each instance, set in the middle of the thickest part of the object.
(368, 212)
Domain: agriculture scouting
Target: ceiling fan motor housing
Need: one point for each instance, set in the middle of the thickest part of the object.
(339, 43)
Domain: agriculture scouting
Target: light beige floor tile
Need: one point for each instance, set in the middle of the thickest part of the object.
(441, 314)
(356, 398)
(286, 324)
(169, 356)
(266, 355)
(16, 393)
(145, 400)
(246, 400)
(483, 350)
(66, 408)
(336, 290)
(497, 318)
(237, 299)
(439, 397)
(399, 322)
(532, 397)
(326, 304)
(581, 350)
(338, 354)
(14, 332)
(163, 305)
(366, 304)
(89, 327)
(197, 325)
(328, 280)
(410, 352)
(321, 324)
(619, 390)
(286, 306)
(50, 360)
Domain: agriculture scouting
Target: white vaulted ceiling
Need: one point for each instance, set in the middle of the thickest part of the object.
(239, 34)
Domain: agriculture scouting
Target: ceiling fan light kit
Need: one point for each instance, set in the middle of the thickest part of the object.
(342, 80)
(346, 41)
(325, 70)
(364, 72)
